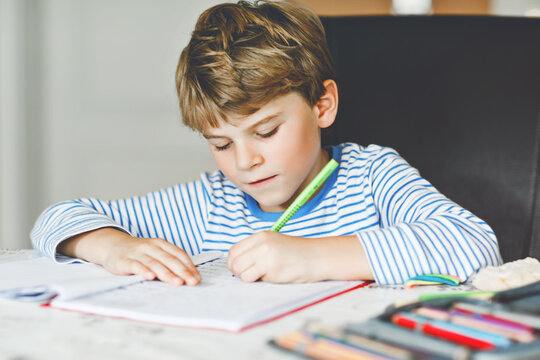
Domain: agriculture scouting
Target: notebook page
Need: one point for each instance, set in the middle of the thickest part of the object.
(220, 301)
(40, 279)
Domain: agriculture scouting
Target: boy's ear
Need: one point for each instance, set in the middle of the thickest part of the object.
(327, 105)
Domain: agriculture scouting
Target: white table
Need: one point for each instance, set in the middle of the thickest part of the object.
(28, 331)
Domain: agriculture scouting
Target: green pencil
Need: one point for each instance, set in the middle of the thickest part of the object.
(305, 194)
(454, 294)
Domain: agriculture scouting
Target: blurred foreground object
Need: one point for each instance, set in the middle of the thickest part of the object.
(508, 276)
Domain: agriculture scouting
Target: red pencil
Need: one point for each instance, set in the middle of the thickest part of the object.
(477, 322)
(434, 330)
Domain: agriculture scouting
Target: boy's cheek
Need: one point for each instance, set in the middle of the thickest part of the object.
(226, 165)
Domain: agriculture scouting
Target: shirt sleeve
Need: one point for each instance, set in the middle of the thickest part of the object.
(176, 214)
(421, 231)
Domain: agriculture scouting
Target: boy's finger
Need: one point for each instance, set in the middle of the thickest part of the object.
(172, 256)
(238, 249)
(240, 263)
(175, 266)
(180, 254)
(192, 277)
(162, 272)
(251, 274)
(137, 268)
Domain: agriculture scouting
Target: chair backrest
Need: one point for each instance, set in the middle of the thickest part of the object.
(459, 98)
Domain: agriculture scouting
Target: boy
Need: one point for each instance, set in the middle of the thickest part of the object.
(256, 80)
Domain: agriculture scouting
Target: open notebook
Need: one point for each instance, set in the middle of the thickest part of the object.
(220, 301)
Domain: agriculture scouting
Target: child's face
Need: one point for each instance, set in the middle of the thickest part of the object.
(272, 154)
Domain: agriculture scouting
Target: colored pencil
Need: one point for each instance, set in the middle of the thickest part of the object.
(413, 341)
(517, 318)
(475, 322)
(362, 343)
(495, 319)
(470, 337)
(323, 349)
(475, 294)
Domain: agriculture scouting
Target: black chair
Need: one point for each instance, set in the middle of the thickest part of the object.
(459, 98)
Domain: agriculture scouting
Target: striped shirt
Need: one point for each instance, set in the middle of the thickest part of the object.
(406, 226)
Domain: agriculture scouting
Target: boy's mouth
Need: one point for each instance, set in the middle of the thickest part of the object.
(262, 181)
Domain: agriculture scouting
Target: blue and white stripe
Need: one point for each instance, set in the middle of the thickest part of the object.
(405, 225)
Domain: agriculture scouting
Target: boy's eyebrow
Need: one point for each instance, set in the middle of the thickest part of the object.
(258, 123)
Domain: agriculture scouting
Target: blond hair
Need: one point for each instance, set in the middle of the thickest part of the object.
(243, 55)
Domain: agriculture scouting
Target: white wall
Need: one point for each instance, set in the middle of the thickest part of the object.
(516, 7)
(88, 103)
(13, 142)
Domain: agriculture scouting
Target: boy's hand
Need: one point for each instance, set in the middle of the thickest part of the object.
(275, 257)
(151, 258)
(123, 254)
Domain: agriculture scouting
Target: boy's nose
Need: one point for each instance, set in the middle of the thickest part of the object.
(247, 156)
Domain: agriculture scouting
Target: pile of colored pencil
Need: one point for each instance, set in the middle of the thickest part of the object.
(471, 325)
(324, 346)
(423, 332)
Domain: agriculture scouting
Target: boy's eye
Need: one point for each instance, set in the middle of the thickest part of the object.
(269, 133)
(222, 147)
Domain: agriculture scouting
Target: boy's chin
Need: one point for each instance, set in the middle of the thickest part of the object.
(271, 205)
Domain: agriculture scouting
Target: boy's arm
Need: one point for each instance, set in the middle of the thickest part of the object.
(67, 219)
(421, 231)
(175, 214)
(161, 223)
